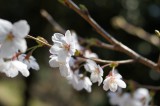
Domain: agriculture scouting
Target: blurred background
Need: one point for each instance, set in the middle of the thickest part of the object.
(46, 87)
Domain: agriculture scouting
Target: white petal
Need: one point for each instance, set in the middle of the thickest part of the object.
(94, 77)
(100, 79)
(55, 49)
(68, 36)
(87, 84)
(89, 54)
(11, 73)
(53, 61)
(93, 63)
(21, 57)
(34, 65)
(120, 83)
(63, 57)
(22, 68)
(1, 61)
(78, 86)
(20, 29)
(7, 50)
(100, 70)
(57, 37)
(72, 49)
(117, 76)
(113, 87)
(27, 62)
(87, 68)
(20, 44)
(65, 70)
(141, 93)
(106, 84)
(5, 29)
(90, 66)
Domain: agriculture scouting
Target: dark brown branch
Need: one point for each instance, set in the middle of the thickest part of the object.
(118, 45)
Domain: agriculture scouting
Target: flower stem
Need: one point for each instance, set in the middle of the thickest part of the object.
(36, 39)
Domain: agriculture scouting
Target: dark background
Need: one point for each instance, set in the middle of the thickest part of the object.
(46, 87)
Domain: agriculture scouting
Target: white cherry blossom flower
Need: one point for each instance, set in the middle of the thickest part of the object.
(12, 37)
(30, 61)
(63, 45)
(63, 66)
(112, 81)
(114, 98)
(11, 68)
(124, 99)
(79, 81)
(127, 100)
(142, 95)
(95, 70)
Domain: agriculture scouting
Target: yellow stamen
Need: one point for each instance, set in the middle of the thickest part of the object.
(9, 37)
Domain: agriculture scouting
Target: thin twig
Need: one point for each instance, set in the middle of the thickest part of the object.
(118, 45)
(109, 61)
(120, 22)
(151, 87)
(101, 44)
(55, 25)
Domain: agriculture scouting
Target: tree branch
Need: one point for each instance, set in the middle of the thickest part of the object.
(109, 61)
(96, 42)
(120, 22)
(59, 28)
(118, 45)
(151, 87)
(55, 25)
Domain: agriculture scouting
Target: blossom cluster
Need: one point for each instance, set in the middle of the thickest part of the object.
(76, 63)
(12, 47)
(13, 60)
(63, 56)
(140, 97)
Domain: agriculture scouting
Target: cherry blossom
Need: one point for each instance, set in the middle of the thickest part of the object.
(114, 98)
(112, 81)
(63, 66)
(95, 70)
(79, 81)
(63, 45)
(11, 68)
(12, 37)
(30, 61)
(142, 95)
(75, 39)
